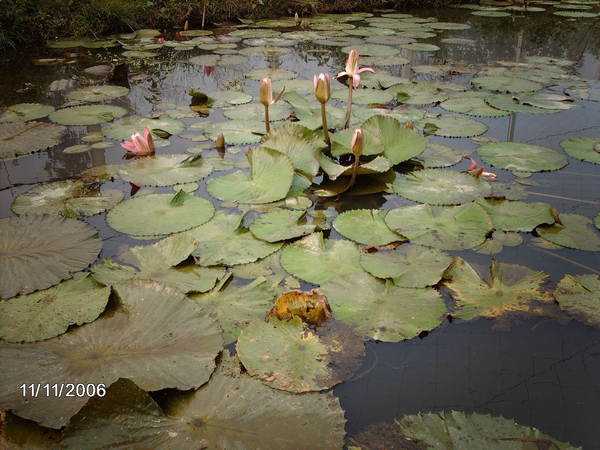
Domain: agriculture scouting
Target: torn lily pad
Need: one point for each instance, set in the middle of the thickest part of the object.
(575, 231)
(365, 226)
(521, 157)
(585, 149)
(236, 132)
(579, 296)
(411, 266)
(382, 311)
(498, 241)
(164, 170)
(154, 214)
(453, 126)
(46, 314)
(23, 112)
(280, 225)
(68, 198)
(256, 417)
(87, 115)
(124, 128)
(270, 179)
(444, 227)
(63, 247)
(318, 260)
(22, 138)
(290, 356)
(224, 241)
(181, 356)
(508, 287)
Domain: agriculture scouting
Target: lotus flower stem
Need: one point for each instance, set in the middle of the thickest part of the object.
(322, 88)
(325, 128)
(358, 143)
(348, 107)
(266, 98)
(353, 71)
(267, 121)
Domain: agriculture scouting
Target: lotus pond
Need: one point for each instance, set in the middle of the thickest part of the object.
(431, 280)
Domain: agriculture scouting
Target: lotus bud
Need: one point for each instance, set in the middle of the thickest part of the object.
(266, 92)
(555, 215)
(410, 125)
(322, 87)
(358, 143)
(297, 19)
(220, 142)
(160, 40)
(185, 26)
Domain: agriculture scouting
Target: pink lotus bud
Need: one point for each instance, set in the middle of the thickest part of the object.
(358, 143)
(266, 92)
(220, 142)
(322, 87)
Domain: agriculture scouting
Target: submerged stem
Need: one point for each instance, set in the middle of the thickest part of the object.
(354, 173)
(267, 123)
(349, 107)
(325, 129)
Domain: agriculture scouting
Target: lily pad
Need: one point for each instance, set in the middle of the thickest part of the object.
(65, 246)
(454, 126)
(508, 287)
(67, 198)
(274, 74)
(97, 93)
(437, 155)
(154, 214)
(472, 104)
(418, 93)
(236, 132)
(18, 139)
(270, 179)
(498, 240)
(218, 60)
(301, 145)
(163, 170)
(87, 115)
(579, 296)
(116, 346)
(487, 13)
(382, 311)
(419, 47)
(280, 225)
(23, 112)
(221, 99)
(443, 227)
(212, 417)
(318, 260)
(364, 96)
(576, 232)
(224, 241)
(506, 84)
(288, 355)
(585, 149)
(410, 266)
(124, 128)
(373, 50)
(512, 104)
(46, 314)
(441, 187)
(577, 14)
(256, 111)
(517, 216)
(521, 157)
(449, 26)
(366, 226)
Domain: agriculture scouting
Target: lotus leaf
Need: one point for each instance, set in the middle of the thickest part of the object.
(487, 13)
(139, 54)
(576, 231)
(267, 51)
(17, 139)
(219, 60)
(163, 170)
(334, 170)
(24, 112)
(87, 115)
(418, 93)
(373, 50)
(454, 126)
(384, 60)
(576, 14)
(221, 99)
(511, 103)
(506, 84)
(437, 155)
(517, 216)
(97, 93)
(584, 149)
(300, 144)
(274, 74)
(235, 132)
(366, 226)
(280, 225)
(579, 296)
(521, 157)
(449, 26)
(124, 128)
(498, 240)
(473, 104)
(364, 96)
(419, 46)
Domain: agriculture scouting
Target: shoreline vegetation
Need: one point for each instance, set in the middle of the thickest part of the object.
(28, 22)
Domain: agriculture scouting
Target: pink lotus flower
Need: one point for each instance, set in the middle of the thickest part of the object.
(477, 171)
(139, 145)
(353, 70)
(160, 40)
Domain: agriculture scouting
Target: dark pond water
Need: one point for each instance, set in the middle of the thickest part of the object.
(541, 371)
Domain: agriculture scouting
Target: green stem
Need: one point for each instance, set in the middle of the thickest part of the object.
(349, 107)
(267, 123)
(354, 173)
(325, 128)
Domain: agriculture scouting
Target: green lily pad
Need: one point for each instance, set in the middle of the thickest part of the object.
(373, 50)
(585, 149)
(116, 346)
(274, 74)
(509, 287)
(384, 60)
(157, 262)
(369, 31)
(456, 429)
(318, 260)
(485, 13)
(410, 266)
(23, 112)
(454, 126)
(46, 314)
(224, 241)
(441, 187)
(163, 170)
(153, 214)
(418, 93)
(270, 179)
(437, 155)
(97, 93)
(256, 417)
(267, 51)
(472, 104)
(290, 356)
(506, 84)
(63, 247)
(443, 227)
(382, 311)
(256, 111)
(497, 241)
(517, 216)
(597, 221)
(139, 54)
(512, 104)
(364, 96)
(87, 115)
(419, 47)
(21, 138)
(124, 128)
(68, 198)
(221, 99)
(235, 132)
(301, 145)
(449, 26)
(579, 296)
(366, 226)
(576, 232)
(520, 157)
(218, 60)
(334, 170)
(591, 93)
(577, 14)
(280, 225)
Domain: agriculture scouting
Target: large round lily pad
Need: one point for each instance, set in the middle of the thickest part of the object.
(23, 112)
(579, 296)
(97, 93)
(318, 260)
(498, 240)
(164, 170)
(506, 84)
(67, 198)
(585, 149)
(437, 155)
(38, 251)
(46, 314)
(441, 187)
(453, 126)
(366, 226)
(418, 93)
(155, 214)
(87, 115)
(517, 216)
(444, 227)
(289, 355)
(410, 265)
(473, 104)
(364, 96)
(508, 287)
(270, 179)
(274, 74)
(576, 231)
(512, 104)
(233, 410)
(224, 241)
(280, 225)
(181, 355)
(17, 139)
(521, 157)
(256, 111)
(373, 50)
(382, 311)
(228, 98)
(235, 131)
(124, 128)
